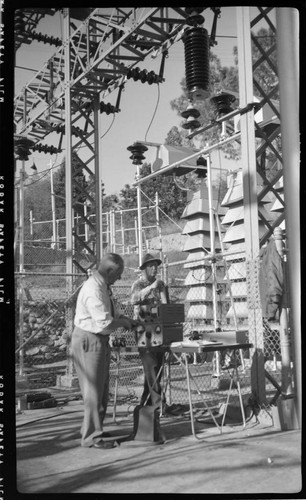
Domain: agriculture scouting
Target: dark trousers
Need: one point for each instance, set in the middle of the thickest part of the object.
(152, 362)
(91, 355)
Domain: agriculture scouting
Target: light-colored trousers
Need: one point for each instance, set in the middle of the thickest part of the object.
(91, 355)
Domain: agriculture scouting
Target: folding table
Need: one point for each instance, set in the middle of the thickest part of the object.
(183, 349)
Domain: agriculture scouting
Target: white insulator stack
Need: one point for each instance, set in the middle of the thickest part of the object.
(199, 277)
(234, 244)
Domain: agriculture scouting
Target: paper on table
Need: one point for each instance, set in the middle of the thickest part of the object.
(195, 343)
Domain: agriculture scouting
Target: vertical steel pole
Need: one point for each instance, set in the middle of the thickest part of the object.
(122, 233)
(212, 251)
(212, 239)
(287, 23)
(283, 321)
(54, 242)
(248, 156)
(136, 232)
(113, 229)
(139, 216)
(68, 184)
(86, 225)
(21, 265)
(99, 239)
(161, 256)
(68, 170)
(31, 224)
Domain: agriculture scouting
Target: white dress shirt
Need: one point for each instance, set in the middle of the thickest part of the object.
(95, 309)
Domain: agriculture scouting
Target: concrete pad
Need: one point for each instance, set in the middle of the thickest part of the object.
(258, 459)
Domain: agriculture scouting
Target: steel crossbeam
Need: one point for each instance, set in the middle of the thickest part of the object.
(102, 50)
(100, 46)
(268, 135)
(31, 18)
(104, 44)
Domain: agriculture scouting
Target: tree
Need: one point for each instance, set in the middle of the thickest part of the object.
(37, 200)
(264, 73)
(223, 79)
(172, 199)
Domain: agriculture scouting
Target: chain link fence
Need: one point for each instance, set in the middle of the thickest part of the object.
(213, 307)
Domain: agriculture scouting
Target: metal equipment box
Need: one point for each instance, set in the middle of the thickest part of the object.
(162, 326)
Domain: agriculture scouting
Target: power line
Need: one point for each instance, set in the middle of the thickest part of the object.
(27, 69)
(154, 113)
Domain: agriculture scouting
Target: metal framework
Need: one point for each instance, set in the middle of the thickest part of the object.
(94, 60)
(254, 158)
(66, 96)
(99, 49)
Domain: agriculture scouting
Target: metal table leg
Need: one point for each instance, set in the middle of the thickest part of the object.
(188, 378)
(234, 375)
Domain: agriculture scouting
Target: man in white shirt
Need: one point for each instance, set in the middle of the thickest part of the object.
(95, 318)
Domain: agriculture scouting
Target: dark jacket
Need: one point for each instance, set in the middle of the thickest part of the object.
(271, 281)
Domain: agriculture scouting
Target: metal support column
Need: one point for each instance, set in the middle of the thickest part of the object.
(139, 216)
(68, 187)
(21, 265)
(54, 236)
(99, 238)
(288, 64)
(68, 165)
(248, 155)
(159, 231)
(213, 260)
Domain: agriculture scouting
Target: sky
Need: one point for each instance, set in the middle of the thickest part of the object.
(145, 114)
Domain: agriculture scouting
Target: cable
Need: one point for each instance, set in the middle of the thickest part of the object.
(47, 170)
(154, 113)
(37, 180)
(202, 274)
(114, 116)
(27, 69)
(177, 184)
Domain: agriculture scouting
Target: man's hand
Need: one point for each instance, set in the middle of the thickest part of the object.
(128, 323)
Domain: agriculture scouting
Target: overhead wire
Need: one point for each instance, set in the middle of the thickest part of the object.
(154, 113)
(112, 123)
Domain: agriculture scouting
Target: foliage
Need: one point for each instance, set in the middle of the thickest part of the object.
(37, 200)
(264, 42)
(223, 79)
(172, 200)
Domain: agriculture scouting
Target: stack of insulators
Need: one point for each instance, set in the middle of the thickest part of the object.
(46, 149)
(108, 108)
(190, 115)
(51, 40)
(22, 148)
(196, 42)
(202, 162)
(222, 103)
(143, 75)
(194, 18)
(61, 128)
(140, 43)
(19, 24)
(58, 128)
(137, 151)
